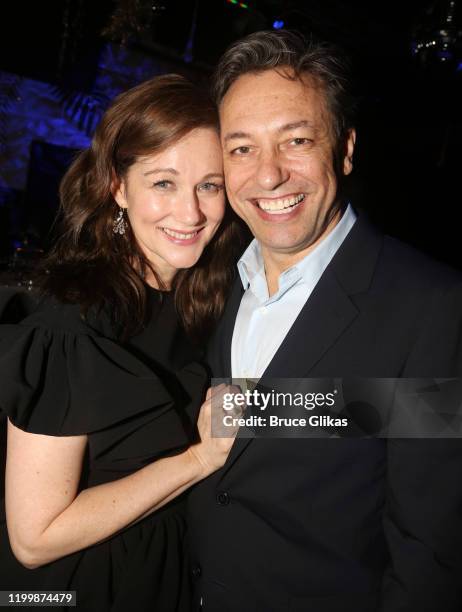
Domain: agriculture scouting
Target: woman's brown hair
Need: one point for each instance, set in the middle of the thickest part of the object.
(92, 266)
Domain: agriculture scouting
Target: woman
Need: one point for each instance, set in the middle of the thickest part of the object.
(101, 384)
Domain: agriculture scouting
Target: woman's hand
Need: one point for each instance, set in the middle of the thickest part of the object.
(212, 451)
(49, 518)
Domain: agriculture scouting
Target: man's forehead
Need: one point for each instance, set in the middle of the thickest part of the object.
(282, 81)
(274, 99)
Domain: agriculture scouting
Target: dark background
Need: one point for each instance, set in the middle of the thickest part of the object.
(408, 74)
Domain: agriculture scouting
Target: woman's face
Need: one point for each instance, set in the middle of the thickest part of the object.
(175, 201)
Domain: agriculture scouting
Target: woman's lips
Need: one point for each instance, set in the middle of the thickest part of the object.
(181, 237)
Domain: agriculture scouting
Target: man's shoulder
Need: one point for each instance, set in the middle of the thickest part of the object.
(415, 268)
(371, 261)
(395, 262)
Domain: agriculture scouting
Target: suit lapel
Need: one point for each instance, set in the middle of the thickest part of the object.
(230, 318)
(219, 349)
(328, 312)
(224, 340)
(324, 317)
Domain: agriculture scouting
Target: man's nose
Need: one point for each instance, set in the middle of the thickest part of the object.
(188, 210)
(271, 172)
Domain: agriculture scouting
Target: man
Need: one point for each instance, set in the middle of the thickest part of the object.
(323, 525)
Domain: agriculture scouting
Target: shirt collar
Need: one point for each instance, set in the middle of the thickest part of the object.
(252, 270)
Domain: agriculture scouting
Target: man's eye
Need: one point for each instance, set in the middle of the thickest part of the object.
(240, 151)
(211, 187)
(301, 141)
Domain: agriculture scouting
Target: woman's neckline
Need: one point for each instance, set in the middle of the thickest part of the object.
(156, 290)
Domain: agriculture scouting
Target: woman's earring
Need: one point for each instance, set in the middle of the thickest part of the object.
(120, 225)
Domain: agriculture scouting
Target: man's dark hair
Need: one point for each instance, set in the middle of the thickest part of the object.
(296, 57)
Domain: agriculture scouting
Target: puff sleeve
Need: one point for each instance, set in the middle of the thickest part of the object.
(60, 377)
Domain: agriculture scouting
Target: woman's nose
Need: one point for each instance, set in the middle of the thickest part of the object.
(188, 210)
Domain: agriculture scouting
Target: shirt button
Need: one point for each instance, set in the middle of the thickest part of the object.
(223, 498)
(196, 571)
(262, 310)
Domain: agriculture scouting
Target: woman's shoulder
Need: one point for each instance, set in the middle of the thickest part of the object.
(51, 314)
(16, 304)
(61, 376)
(38, 310)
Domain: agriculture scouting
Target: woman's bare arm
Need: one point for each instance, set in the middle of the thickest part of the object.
(46, 517)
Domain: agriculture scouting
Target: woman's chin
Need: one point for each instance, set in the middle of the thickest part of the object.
(177, 264)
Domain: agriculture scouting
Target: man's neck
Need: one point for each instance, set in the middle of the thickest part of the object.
(277, 262)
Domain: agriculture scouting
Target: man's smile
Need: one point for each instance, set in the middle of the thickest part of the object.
(280, 205)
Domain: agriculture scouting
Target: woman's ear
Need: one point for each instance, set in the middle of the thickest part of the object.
(118, 190)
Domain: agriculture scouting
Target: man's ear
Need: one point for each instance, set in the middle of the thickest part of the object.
(349, 150)
(118, 190)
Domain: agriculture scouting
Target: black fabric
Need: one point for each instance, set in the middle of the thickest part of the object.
(16, 304)
(343, 524)
(62, 375)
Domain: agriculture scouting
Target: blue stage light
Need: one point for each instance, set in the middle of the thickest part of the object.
(278, 24)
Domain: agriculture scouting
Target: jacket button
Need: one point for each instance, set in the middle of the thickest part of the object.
(223, 498)
(196, 571)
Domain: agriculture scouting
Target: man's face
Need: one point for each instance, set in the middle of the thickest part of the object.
(278, 145)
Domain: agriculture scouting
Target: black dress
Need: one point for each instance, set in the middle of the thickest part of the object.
(137, 402)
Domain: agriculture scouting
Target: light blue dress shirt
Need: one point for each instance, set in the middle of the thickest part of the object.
(263, 322)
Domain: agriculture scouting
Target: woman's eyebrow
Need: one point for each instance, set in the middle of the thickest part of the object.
(157, 170)
(212, 174)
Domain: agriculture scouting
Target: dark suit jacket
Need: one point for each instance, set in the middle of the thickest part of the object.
(343, 525)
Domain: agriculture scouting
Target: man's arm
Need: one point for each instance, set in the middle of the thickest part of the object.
(423, 515)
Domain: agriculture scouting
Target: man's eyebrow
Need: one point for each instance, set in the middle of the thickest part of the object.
(159, 170)
(283, 128)
(236, 135)
(296, 124)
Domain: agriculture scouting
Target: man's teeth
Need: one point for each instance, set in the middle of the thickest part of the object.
(281, 205)
(178, 235)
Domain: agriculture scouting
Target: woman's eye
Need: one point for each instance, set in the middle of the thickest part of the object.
(211, 187)
(163, 184)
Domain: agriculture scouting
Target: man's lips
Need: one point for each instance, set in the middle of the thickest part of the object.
(283, 206)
